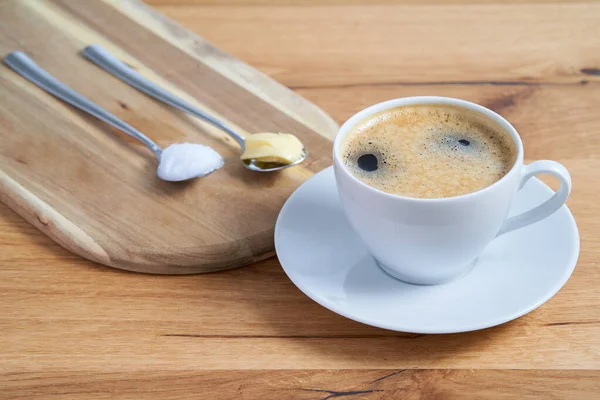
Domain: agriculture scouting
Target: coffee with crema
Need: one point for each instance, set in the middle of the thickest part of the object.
(428, 151)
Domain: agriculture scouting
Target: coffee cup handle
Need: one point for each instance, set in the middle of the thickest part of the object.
(548, 207)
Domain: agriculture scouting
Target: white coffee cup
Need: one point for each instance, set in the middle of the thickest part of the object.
(429, 241)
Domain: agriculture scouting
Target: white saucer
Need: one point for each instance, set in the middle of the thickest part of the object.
(516, 273)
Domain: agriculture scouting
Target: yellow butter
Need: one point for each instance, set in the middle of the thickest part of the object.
(283, 148)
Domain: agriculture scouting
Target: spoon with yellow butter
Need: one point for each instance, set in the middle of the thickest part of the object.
(268, 151)
(262, 152)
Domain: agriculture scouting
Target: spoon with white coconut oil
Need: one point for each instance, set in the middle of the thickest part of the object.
(177, 162)
(262, 152)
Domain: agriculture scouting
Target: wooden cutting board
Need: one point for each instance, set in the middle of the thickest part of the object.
(93, 189)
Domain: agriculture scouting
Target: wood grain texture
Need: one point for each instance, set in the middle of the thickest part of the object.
(379, 44)
(94, 190)
(71, 329)
(317, 384)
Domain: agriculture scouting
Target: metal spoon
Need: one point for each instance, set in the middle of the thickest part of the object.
(101, 57)
(26, 67)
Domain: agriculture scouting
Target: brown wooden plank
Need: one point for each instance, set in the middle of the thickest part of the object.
(308, 385)
(406, 43)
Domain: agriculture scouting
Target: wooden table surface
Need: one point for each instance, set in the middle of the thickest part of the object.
(71, 329)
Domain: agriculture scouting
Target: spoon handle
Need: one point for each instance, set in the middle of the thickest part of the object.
(102, 58)
(26, 67)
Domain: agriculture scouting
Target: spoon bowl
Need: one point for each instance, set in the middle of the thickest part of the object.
(259, 166)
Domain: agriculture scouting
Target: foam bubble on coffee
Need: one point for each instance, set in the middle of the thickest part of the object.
(428, 151)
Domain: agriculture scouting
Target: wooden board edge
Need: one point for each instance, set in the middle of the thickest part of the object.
(49, 221)
(66, 234)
